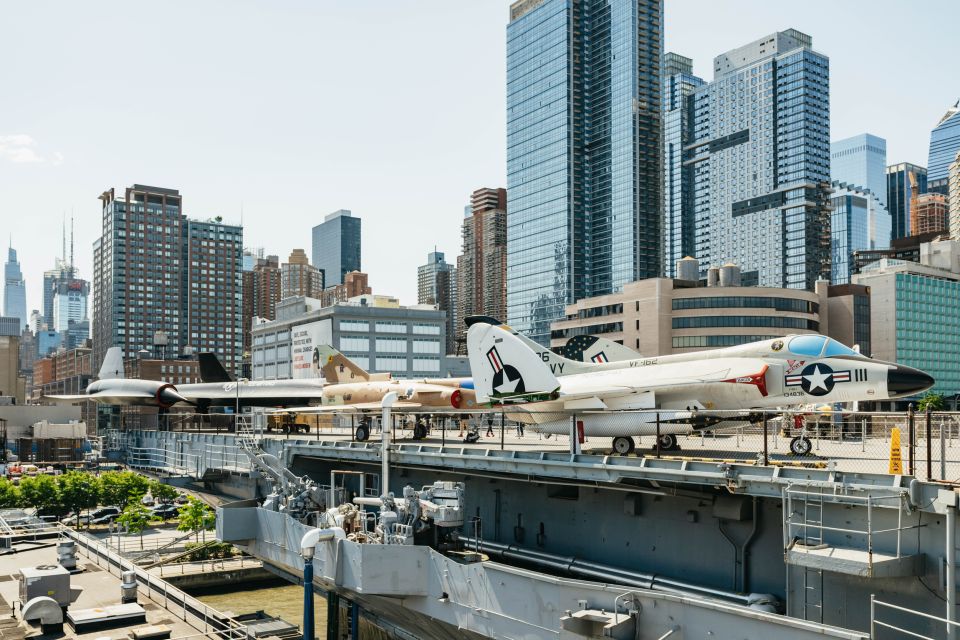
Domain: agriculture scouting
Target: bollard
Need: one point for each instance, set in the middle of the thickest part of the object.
(658, 434)
(503, 434)
(943, 454)
(766, 456)
(910, 439)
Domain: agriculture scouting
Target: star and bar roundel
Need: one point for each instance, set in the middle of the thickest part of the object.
(817, 379)
(506, 379)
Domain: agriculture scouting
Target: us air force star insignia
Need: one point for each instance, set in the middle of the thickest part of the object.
(817, 379)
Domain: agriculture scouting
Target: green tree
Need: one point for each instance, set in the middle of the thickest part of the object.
(79, 490)
(41, 492)
(932, 401)
(120, 488)
(135, 518)
(196, 516)
(9, 494)
(162, 492)
(113, 491)
(137, 486)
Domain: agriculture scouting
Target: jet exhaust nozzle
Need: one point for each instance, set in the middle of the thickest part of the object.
(167, 396)
(907, 381)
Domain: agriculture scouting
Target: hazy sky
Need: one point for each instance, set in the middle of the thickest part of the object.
(286, 111)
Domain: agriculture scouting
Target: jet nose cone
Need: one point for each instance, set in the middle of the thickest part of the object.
(907, 381)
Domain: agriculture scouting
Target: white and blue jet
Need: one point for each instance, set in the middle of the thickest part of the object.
(682, 392)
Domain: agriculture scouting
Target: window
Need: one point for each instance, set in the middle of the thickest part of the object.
(426, 329)
(391, 345)
(807, 345)
(426, 346)
(391, 364)
(354, 325)
(354, 343)
(391, 327)
(430, 365)
(834, 348)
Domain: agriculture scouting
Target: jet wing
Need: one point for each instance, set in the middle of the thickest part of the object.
(68, 399)
(119, 396)
(359, 406)
(679, 384)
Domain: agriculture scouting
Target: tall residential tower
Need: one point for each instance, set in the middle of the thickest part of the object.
(163, 282)
(437, 285)
(583, 153)
(482, 264)
(678, 228)
(760, 156)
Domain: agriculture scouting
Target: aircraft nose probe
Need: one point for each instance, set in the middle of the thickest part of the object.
(906, 381)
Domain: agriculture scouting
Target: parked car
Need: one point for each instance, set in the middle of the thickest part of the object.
(147, 500)
(166, 511)
(105, 511)
(181, 499)
(103, 515)
(105, 519)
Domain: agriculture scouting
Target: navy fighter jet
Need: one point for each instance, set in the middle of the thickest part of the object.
(676, 390)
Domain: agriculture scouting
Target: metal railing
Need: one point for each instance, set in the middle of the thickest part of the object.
(164, 460)
(949, 626)
(172, 599)
(791, 526)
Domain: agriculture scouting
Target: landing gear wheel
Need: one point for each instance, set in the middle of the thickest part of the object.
(801, 446)
(419, 432)
(623, 445)
(668, 442)
(362, 433)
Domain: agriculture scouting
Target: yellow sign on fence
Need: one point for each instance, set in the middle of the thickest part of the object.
(896, 461)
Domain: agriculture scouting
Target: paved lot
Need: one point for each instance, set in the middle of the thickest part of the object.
(99, 589)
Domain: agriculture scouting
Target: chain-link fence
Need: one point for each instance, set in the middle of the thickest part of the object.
(929, 444)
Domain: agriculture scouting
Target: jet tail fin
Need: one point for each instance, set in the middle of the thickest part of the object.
(596, 350)
(558, 364)
(211, 369)
(112, 367)
(338, 368)
(504, 367)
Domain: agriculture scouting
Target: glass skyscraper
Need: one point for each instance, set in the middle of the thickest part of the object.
(858, 221)
(861, 161)
(900, 179)
(678, 230)
(760, 158)
(14, 290)
(944, 145)
(583, 153)
(336, 246)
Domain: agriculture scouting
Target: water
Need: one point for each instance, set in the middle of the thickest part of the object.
(280, 599)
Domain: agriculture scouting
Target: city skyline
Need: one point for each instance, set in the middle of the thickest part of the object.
(236, 151)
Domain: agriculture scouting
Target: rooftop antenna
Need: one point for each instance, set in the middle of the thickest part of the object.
(71, 244)
(63, 239)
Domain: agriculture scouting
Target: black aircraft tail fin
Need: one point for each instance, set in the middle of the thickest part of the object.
(211, 370)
